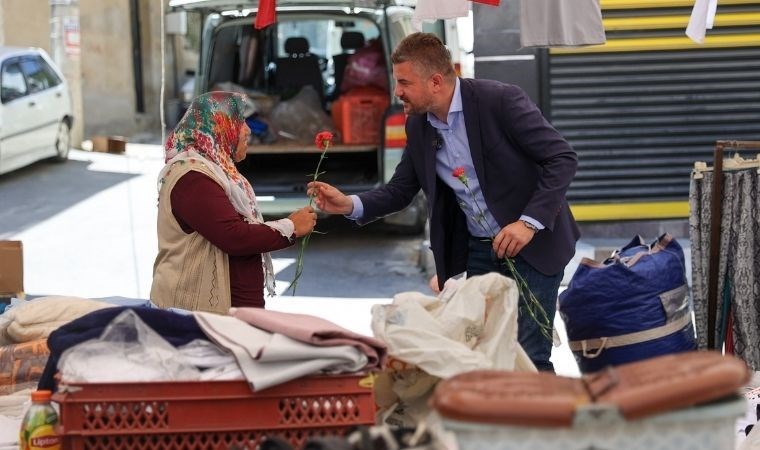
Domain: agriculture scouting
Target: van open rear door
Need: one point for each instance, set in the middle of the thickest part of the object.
(229, 5)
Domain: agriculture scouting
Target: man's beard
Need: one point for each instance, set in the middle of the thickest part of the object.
(414, 108)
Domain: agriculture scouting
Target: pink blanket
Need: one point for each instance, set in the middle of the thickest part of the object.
(313, 330)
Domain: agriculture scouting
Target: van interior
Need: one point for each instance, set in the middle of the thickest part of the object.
(308, 72)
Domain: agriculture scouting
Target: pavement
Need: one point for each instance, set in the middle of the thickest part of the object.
(122, 241)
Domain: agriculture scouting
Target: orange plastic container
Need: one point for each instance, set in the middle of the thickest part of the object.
(210, 415)
(358, 115)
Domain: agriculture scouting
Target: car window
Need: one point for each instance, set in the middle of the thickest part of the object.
(53, 79)
(12, 82)
(37, 73)
(315, 31)
(323, 35)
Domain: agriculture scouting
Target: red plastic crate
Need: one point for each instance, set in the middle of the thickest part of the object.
(210, 415)
(358, 115)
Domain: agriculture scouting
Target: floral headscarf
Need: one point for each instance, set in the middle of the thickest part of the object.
(208, 133)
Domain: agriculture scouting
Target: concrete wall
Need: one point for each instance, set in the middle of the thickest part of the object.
(109, 94)
(150, 21)
(25, 23)
(107, 79)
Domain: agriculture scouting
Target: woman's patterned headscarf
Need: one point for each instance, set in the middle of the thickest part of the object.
(208, 133)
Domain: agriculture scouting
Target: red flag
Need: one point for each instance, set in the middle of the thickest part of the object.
(487, 2)
(266, 14)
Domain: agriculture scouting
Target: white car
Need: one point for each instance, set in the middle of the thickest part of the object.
(35, 109)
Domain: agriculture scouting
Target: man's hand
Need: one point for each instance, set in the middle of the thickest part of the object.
(511, 239)
(303, 220)
(329, 199)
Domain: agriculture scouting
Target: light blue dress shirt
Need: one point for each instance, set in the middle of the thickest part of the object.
(454, 153)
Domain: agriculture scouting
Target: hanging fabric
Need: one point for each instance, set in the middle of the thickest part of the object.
(432, 10)
(266, 15)
(701, 20)
(725, 216)
(561, 23)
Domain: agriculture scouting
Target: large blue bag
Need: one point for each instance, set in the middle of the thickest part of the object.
(633, 306)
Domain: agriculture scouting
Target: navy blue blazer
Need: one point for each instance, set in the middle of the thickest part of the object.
(523, 164)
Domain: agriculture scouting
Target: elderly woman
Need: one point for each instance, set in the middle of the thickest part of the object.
(213, 244)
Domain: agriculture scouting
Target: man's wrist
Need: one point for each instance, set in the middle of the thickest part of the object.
(529, 226)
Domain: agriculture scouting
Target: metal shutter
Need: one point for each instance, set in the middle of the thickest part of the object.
(642, 108)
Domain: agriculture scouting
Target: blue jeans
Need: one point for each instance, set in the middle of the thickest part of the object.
(482, 259)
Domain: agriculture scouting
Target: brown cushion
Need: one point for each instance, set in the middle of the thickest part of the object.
(638, 390)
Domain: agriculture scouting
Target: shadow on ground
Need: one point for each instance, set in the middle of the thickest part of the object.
(386, 264)
(37, 192)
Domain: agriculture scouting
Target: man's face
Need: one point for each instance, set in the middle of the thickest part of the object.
(412, 88)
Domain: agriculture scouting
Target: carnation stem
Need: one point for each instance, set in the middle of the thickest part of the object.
(532, 306)
(305, 239)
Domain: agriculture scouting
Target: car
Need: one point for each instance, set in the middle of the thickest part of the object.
(307, 57)
(35, 109)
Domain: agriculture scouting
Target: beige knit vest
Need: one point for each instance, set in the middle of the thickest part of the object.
(190, 272)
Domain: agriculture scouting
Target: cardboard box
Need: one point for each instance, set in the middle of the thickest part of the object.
(99, 143)
(117, 144)
(11, 268)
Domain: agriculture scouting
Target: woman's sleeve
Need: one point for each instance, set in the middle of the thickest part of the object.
(200, 204)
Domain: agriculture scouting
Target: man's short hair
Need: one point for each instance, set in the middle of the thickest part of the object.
(427, 52)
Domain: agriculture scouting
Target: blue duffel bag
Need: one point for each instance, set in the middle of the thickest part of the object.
(632, 306)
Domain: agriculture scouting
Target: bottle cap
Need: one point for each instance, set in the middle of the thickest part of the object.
(41, 396)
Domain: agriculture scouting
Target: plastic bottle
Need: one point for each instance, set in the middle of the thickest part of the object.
(38, 427)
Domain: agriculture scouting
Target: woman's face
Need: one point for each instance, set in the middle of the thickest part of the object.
(242, 145)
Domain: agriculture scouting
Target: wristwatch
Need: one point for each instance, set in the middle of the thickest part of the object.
(530, 226)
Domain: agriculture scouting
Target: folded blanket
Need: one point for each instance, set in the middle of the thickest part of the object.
(312, 330)
(36, 319)
(267, 359)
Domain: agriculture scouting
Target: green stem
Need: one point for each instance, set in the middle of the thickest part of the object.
(305, 239)
(532, 306)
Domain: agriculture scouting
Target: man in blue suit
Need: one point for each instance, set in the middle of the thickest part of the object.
(518, 169)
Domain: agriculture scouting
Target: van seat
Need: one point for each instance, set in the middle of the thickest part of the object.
(300, 68)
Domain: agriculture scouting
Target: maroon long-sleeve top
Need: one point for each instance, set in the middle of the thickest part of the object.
(200, 204)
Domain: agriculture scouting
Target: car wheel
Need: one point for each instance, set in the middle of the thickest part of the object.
(62, 142)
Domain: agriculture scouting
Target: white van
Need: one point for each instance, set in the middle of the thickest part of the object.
(293, 72)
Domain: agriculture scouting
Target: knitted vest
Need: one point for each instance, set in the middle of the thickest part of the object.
(190, 272)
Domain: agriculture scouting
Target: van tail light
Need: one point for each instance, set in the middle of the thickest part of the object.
(395, 131)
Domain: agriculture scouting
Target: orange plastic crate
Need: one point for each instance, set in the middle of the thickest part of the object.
(358, 115)
(210, 415)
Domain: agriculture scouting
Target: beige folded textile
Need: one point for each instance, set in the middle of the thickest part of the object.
(36, 319)
(267, 359)
(312, 330)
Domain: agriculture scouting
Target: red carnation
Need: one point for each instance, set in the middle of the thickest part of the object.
(459, 174)
(323, 139)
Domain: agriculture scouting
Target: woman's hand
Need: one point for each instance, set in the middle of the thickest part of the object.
(330, 199)
(433, 283)
(304, 220)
